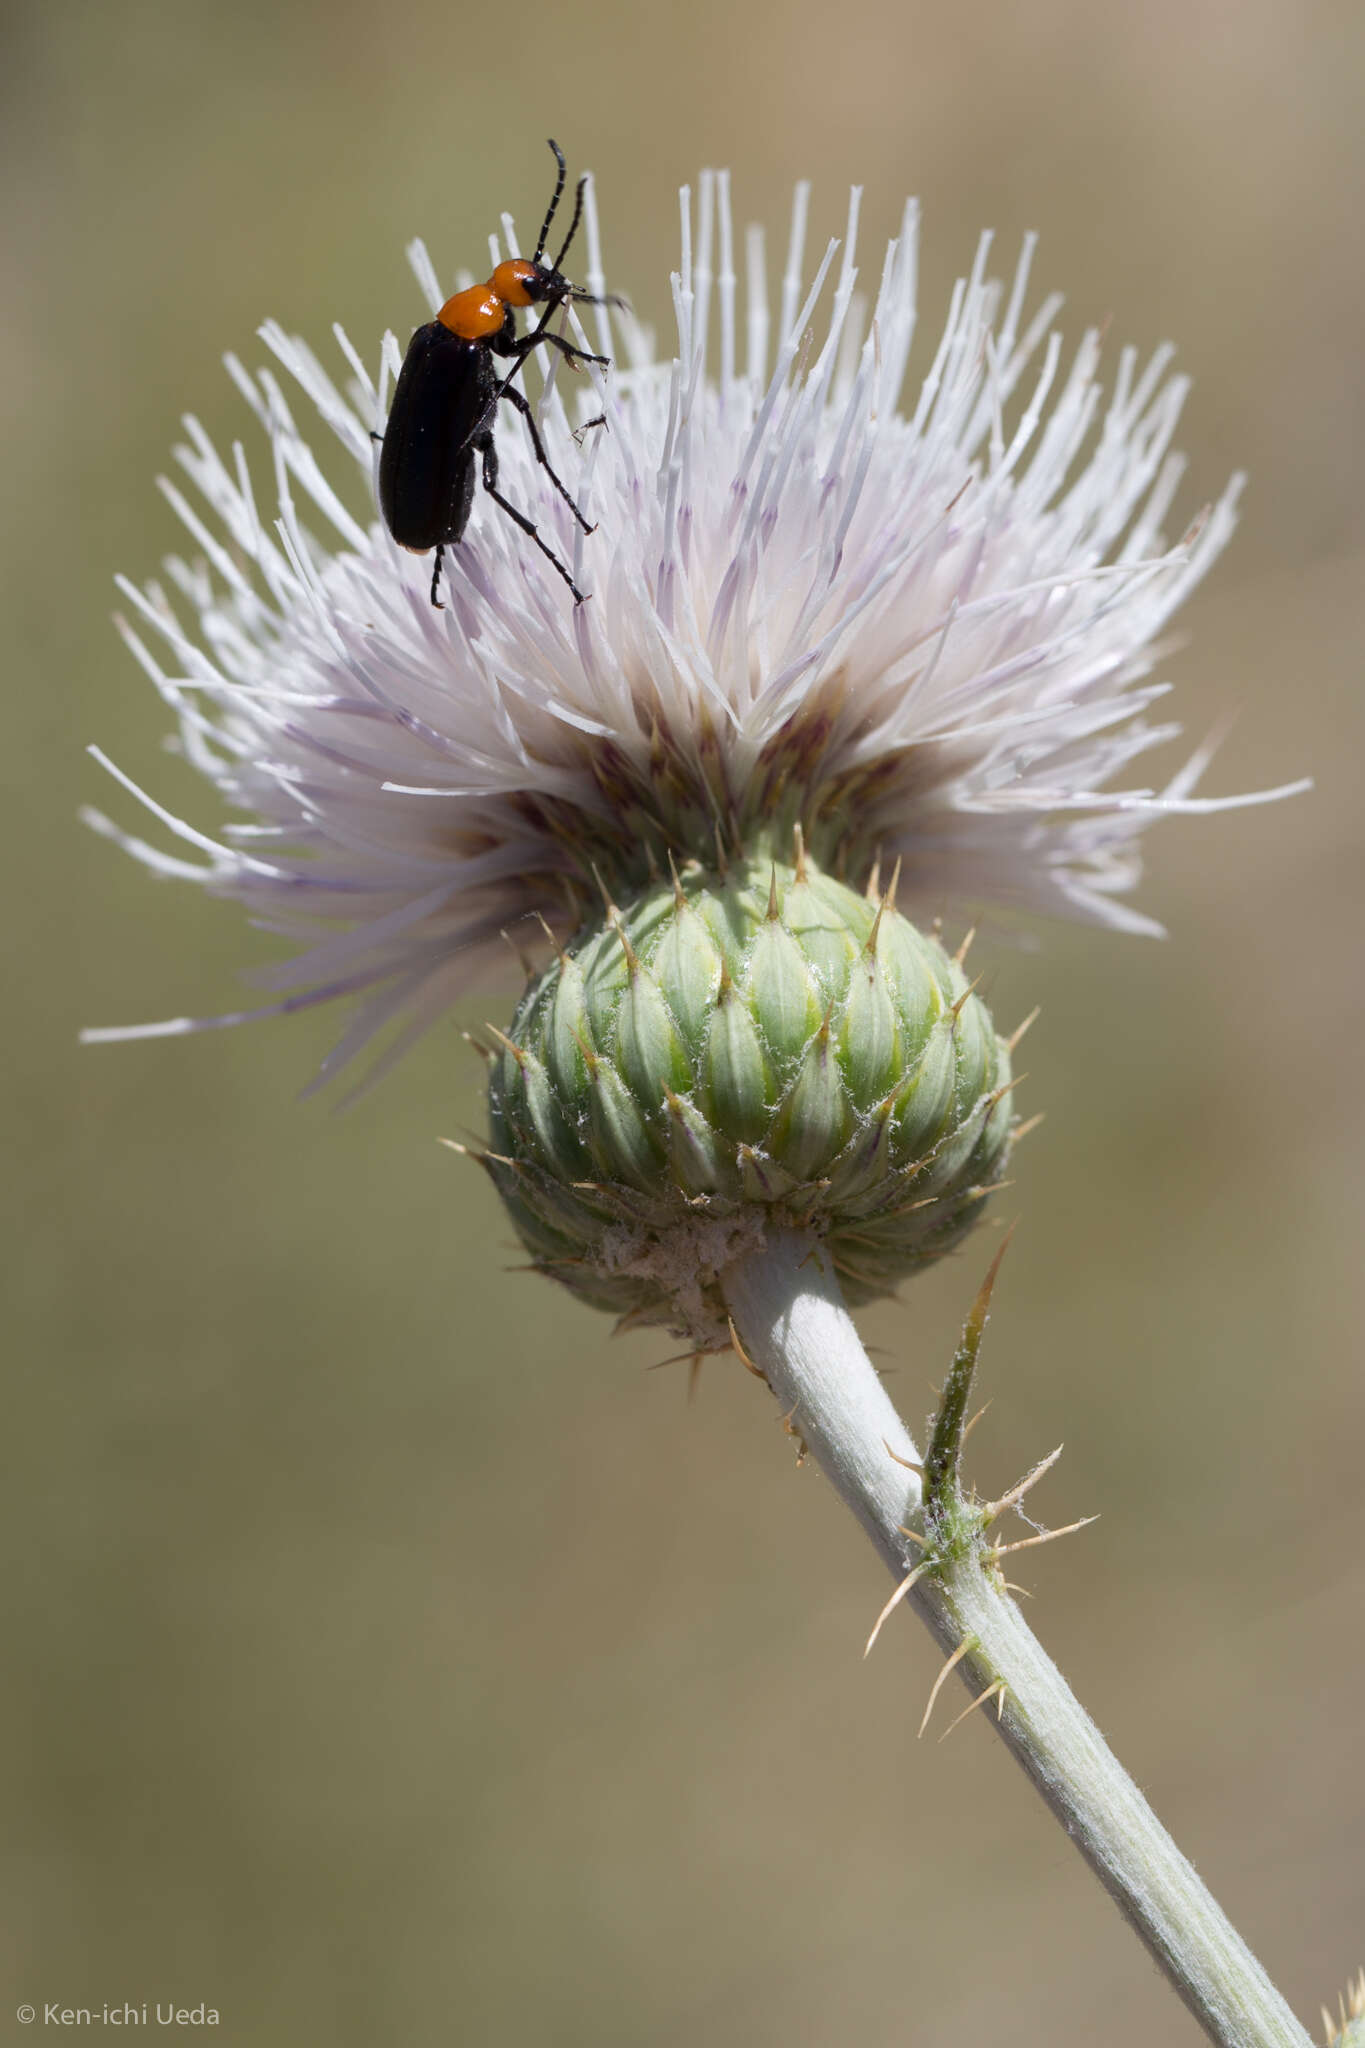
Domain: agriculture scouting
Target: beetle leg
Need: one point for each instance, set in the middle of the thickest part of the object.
(519, 400)
(568, 349)
(436, 576)
(490, 484)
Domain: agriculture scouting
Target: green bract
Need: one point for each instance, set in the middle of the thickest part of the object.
(737, 1048)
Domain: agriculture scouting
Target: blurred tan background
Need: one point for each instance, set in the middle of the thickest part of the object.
(392, 1658)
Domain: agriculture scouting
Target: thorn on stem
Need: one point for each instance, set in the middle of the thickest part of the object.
(968, 1643)
(976, 1418)
(802, 1448)
(910, 1579)
(1043, 1536)
(995, 1508)
(743, 1355)
(994, 1692)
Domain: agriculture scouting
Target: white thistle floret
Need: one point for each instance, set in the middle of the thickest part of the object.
(925, 634)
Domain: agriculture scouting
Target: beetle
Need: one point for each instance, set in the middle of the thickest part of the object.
(446, 399)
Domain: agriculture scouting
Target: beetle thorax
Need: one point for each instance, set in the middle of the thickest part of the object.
(475, 315)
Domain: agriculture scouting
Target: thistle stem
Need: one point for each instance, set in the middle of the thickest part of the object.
(790, 1316)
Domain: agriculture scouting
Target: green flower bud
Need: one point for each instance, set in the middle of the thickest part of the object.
(734, 1049)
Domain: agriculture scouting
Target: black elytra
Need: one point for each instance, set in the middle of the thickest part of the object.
(445, 403)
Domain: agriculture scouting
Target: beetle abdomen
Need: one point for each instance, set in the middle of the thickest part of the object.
(426, 465)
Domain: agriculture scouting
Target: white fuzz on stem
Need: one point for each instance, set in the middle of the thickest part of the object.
(790, 1318)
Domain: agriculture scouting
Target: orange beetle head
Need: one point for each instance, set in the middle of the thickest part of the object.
(522, 283)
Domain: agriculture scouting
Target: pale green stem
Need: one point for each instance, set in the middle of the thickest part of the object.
(791, 1318)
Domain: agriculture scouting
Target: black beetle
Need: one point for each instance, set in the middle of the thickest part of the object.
(446, 400)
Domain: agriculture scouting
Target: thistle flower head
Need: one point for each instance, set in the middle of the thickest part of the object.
(917, 622)
(736, 1048)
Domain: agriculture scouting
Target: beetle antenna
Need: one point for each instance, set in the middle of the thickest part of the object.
(573, 224)
(550, 213)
